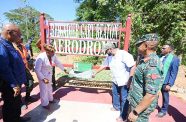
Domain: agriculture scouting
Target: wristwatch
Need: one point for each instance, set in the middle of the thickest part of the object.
(135, 112)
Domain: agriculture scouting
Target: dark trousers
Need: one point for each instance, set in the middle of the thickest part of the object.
(165, 96)
(11, 109)
(29, 84)
(53, 77)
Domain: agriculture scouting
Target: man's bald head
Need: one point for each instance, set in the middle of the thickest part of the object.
(11, 32)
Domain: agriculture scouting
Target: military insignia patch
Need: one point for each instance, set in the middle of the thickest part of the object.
(154, 76)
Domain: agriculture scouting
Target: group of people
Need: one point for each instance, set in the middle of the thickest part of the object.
(15, 71)
(136, 85)
(135, 88)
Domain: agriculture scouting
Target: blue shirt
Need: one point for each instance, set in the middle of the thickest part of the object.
(27, 46)
(12, 68)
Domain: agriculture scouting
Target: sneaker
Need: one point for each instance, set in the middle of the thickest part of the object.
(113, 109)
(161, 114)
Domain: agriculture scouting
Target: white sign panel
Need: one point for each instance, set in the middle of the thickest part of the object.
(82, 38)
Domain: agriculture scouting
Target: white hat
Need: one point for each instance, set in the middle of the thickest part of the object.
(107, 46)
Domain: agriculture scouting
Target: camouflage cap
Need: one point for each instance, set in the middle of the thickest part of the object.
(107, 46)
(148, 37)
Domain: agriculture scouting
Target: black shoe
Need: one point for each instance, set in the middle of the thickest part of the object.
(25, 119)
(161, 114)
(54, 101)
(46, 107)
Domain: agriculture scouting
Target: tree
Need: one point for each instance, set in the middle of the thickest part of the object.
(92, 10)
(27, 18)
(165, 17)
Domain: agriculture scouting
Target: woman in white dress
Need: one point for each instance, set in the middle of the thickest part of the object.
(43, 68)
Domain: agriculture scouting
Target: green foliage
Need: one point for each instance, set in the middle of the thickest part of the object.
(27, 18)
(34, 47)
(92, 10)
(92, 59)
(165, 17)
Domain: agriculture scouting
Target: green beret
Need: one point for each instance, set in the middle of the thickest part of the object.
(147, 37)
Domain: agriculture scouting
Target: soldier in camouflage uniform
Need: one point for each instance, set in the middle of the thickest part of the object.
(147, 80)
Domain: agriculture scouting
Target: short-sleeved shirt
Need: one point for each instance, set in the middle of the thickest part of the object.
(148, 78)
(120, 65)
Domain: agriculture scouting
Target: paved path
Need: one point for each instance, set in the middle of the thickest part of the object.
(70, 111)
(91, 105)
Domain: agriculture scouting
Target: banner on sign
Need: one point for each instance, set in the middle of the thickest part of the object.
(82, 38)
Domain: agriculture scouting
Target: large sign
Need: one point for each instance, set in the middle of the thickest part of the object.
(82, 38)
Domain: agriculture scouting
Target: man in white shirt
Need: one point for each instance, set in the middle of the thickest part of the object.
(120, 63)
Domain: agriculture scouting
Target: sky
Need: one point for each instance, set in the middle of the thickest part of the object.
(58, 9)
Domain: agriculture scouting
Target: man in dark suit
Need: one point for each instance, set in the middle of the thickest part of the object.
(171, 65)
(12, 74)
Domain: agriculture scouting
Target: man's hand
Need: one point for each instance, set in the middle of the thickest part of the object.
(66, 71)
(167, 88)
(93, 74)
(132, 117)
(129, 82)
(46, 81)
(17, 90)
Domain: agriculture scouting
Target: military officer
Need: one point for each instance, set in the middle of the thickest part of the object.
(147, 80)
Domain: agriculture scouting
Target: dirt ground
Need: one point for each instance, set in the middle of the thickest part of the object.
(179, 88)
